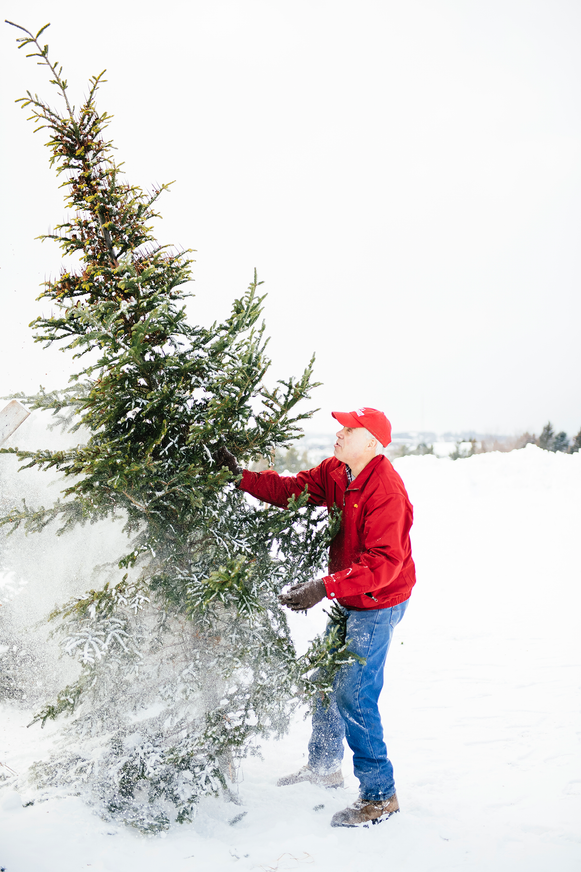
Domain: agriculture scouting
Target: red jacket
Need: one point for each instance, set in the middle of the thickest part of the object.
(370, 558)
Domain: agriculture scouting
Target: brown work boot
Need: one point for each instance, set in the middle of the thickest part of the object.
(365, 812)
(333, 779)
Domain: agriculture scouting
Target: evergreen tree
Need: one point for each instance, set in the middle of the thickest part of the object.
(291, 461)
(547, 437)
(185, 657)
(560, 442)
(422, 448)
(575, 444)
(461, 453)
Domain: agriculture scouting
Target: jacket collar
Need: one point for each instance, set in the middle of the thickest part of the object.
(340, 475)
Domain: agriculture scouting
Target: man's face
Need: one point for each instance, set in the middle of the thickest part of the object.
(352, 446)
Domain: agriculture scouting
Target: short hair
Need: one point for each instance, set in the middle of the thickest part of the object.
(378, 445)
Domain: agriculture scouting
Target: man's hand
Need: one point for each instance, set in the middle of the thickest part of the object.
(223, 457)
(301, 597)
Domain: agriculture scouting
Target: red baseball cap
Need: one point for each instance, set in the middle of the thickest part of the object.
(371, 419)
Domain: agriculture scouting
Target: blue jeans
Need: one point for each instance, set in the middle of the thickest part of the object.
(353, 713)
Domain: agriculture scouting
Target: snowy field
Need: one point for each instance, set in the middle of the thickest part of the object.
(480, 709)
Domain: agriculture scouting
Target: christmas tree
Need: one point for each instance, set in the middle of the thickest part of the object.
(185, 657)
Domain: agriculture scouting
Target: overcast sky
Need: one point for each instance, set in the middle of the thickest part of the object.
(405, 176)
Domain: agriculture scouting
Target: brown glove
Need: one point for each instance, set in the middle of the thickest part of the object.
(301, 597)
(223, 457)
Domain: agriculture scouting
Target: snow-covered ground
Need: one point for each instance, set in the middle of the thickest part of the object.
(480, 709)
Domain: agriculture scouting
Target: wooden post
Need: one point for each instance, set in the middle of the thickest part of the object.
(11, 417)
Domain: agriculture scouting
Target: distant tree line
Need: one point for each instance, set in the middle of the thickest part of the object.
(551, 441)
(548, 441)
(292, 460)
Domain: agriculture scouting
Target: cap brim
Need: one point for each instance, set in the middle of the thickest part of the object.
(347, 419)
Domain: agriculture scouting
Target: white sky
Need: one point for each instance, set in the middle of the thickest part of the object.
(405, 176)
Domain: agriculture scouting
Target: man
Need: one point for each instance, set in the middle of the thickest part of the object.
(371, 574)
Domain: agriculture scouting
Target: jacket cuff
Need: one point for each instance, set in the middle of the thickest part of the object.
(330, 587)
(240, 483)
